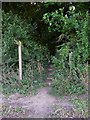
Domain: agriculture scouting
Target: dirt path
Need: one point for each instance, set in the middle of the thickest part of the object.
(42, 105)
(38, 105)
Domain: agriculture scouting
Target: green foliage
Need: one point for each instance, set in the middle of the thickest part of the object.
(81, 105)
(71, 57)
(34, 56)
(14, 28)
(54, 19)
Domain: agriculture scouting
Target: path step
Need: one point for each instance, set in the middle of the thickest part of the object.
(50, 69)
(49, 74)
(49, 78)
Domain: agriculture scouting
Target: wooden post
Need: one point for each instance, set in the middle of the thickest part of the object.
(70, 61)
(20, 60)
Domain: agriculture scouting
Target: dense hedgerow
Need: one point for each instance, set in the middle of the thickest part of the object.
(34, 56)
(71, 59)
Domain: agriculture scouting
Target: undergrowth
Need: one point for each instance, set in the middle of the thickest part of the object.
(81, 106)
(11, 83)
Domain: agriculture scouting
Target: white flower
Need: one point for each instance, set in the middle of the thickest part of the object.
(66, 16)
(50, 24)
(72, 8)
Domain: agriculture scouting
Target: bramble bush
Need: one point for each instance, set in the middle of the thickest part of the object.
(34, 56)
(71, 59)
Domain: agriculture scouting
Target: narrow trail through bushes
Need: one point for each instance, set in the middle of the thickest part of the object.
(41, 105)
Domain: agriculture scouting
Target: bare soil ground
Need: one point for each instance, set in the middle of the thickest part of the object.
(41, 105)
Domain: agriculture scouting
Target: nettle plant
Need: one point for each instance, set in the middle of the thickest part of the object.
(71, 59)
(34, 56)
